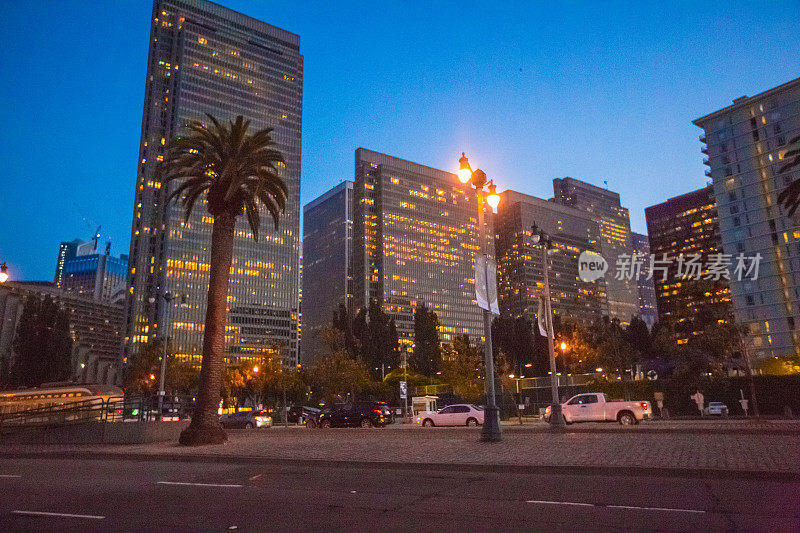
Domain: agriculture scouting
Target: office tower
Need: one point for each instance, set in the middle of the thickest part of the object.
(70, 250)
(745, 143)
(96, 328)
(687, 225)
(615, 240)
(205, 58)
(648, 310)
(414, 242)
(327, 275)
(519, 263)
(98, 276)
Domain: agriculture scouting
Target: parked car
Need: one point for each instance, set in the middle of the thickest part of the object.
(463, 414)
(594, 407)
(716, 409)
(356, 414)
(246, 420)
(299, 413)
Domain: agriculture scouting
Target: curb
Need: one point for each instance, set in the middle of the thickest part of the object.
(625, 471)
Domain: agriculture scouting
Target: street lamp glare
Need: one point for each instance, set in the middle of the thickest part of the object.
(3, 273)
(493, 199)
(464, 170)
(255, 369)
(563, 345)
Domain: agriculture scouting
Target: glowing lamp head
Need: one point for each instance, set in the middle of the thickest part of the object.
(493, 199)
(563, 345)
(3, 273)
(255, 369)
(464, 170)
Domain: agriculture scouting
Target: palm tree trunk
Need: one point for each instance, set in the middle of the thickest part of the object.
(205, 427)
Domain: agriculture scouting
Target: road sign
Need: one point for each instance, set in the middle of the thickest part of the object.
(486, 284)
(403, 390)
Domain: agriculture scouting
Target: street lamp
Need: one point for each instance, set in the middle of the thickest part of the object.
(3, 272)
(477, 179)
(168, 298)
(556, 418)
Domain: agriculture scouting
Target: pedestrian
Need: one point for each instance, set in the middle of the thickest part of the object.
(699, 399)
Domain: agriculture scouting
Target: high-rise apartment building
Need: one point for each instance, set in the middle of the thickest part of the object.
(615, 240)
(414, 241)
(687, 226)
(205, 58)
(648, 309)
(745, 143)
(327, 274)
(519, 263)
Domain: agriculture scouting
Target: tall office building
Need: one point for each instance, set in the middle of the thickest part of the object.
(648, 309)
(70, 250)
(98, 276)
(519, 263)
(745, 143)
(615, 238)
(327, 274)
(205, 58)
(687, 225)
(414, 242)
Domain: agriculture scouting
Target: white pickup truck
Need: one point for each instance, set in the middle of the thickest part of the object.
(594, 407)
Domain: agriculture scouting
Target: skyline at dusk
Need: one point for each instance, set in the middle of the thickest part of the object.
(595, 93)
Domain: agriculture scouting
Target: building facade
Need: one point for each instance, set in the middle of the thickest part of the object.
(519, 263)
(98, 276)
(745, 145)
(327, 270)
(414, 241)
(205, 58)
(96, 327)
(69, 250)
(687, 226)
(615, 239)
(648, 308)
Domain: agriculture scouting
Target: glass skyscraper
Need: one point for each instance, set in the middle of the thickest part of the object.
(205, 58)
(414, 242)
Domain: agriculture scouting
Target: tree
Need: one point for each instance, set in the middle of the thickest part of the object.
(381, 347)
(336, 375)
(514, 337)
(235, 171)
(141, 366)
(462, 368)
(790, 196)
(427, 356)
(43, 344)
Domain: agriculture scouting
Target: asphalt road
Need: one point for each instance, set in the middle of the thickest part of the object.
(133, 495)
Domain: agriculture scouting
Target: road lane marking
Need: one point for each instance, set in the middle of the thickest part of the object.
(8, 476)
(628, 507)
(63, 515)
(183, 483)
(656, 509)
(577, 504)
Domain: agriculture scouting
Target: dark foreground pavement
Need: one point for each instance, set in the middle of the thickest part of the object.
(200, 495)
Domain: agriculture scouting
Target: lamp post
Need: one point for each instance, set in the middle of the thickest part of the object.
(477, 179)
(168, 298)
(3, 272)
(556, 418)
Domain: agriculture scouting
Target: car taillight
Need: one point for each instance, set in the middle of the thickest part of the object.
(643, 404)
(378, 411)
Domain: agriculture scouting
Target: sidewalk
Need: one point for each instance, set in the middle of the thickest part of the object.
(773, 448)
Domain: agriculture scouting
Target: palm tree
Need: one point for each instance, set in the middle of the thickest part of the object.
(236, 171)
(790, 196)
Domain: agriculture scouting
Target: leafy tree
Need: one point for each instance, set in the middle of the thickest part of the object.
(462, 368)
(426, 357)
(381, 347)
(336, 375)
(235, 171)
(43, 344)
(141, 366)
(515, 338)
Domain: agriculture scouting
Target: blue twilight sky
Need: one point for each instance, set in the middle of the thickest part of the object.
(530, 90)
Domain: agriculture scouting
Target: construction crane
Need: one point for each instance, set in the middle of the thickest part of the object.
(95, 238)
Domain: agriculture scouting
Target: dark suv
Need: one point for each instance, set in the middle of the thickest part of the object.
(356, 414)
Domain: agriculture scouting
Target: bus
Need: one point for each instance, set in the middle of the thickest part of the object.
(52, 398)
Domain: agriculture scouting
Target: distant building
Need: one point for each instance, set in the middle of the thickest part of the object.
(648, 309)
(414, 241)
(327, 270)
(615, 240)
(205, 58)
(745, 144)
(98, 276)
(687, 225)
(520, 272)
(96, 327)
(70, 250)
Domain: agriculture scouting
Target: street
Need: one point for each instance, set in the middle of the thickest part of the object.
(67, 494)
